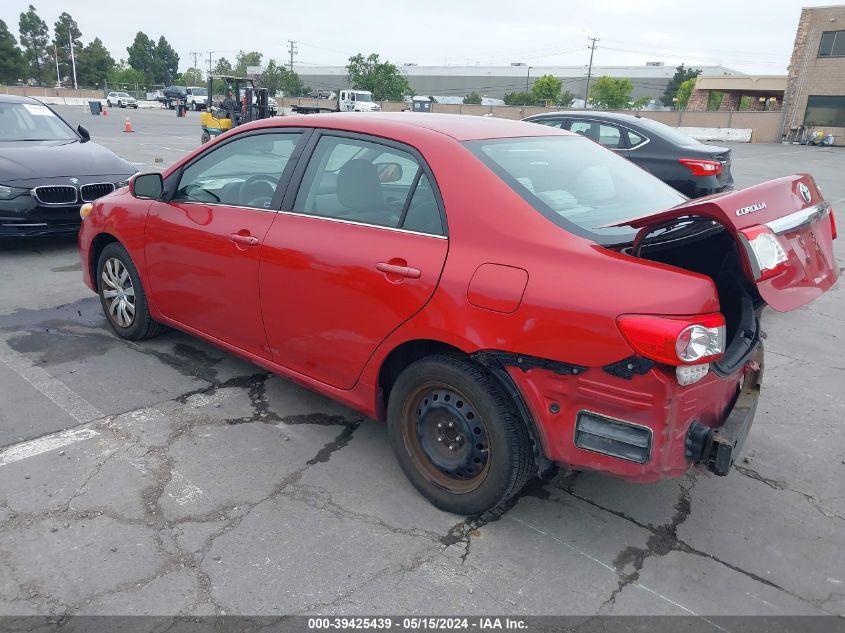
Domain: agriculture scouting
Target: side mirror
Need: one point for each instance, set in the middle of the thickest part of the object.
(389, 172)
(147, 186)
(84, 133)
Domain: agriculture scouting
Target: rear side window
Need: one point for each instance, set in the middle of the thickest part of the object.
(578, 185)
(369, 183)
(634, 139)
(550, 122)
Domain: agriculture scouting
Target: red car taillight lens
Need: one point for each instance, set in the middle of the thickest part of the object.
(832, 225)
(700, 167)
(767, 250)
(675, 340)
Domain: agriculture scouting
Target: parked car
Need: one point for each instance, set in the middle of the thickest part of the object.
(691, 167)
(196, 97)
(48, 170)
(175, 94)
(121, 100)
(505, 295)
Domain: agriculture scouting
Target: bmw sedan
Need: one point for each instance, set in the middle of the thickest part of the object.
(506, 296)
(48, 170)
(691, 167)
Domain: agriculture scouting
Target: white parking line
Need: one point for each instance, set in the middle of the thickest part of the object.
(51, 442)
(54, 389)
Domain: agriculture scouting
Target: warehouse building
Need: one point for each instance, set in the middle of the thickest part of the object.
(495, 81)
(815, 88)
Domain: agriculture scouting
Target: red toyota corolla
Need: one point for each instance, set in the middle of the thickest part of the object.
(505, 295)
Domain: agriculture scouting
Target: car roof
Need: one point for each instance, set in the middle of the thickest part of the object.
(17, 99)
(590, 114)
(458, 126)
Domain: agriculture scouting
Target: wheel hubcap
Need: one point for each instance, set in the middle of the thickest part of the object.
(118, 292)
(451, 435)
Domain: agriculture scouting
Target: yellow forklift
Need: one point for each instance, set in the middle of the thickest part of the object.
(253, 104)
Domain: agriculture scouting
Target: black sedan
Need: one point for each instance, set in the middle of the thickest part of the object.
(48, 170)
(691, 167)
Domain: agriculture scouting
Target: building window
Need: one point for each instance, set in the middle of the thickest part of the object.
(832, 44)
(825, 111)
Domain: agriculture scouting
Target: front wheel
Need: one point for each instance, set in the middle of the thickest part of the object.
(122, 296)
(205, 138)
(457, 436)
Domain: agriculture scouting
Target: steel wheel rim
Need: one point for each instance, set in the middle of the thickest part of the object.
(118, 292)
(460, 461)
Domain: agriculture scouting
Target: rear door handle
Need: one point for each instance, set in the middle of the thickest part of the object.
(402, 271)
(249, 240)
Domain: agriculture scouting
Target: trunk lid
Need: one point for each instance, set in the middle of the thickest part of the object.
(785, 234)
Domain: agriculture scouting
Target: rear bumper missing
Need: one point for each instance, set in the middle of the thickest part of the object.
(717, 448)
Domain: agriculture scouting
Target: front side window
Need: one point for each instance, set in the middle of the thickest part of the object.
(370, 183)
(244, 172)
(832, 44)
(577, 184)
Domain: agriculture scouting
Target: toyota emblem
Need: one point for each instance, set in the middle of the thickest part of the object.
(805, 191)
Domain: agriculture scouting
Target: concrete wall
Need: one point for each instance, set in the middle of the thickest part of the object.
(810, 74)
(42, 91)
(764, 126)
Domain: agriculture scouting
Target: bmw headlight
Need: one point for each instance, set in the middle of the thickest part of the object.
(7, 193)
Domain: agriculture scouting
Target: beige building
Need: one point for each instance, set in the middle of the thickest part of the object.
(815, 89)
(761, 92)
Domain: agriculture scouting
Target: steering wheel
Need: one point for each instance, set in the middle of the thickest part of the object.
(257, 189)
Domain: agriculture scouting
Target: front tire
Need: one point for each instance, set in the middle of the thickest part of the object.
(457, 436)
(122, 296)
(205, 138)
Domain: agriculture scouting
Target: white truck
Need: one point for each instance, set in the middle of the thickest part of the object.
(196, 98)
(347, 101)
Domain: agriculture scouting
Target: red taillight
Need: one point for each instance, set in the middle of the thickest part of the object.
(675, 340)
(832, 224)
(700, 167)
(767, 252)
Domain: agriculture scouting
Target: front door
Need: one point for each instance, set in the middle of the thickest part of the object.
(359, 252)
(202, 247)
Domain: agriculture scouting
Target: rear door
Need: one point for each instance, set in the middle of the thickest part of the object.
(785, 230)
(357, 251)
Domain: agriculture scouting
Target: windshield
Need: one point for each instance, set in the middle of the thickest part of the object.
(577, 184)
(123, 94)
(199, 92)
(32, 122)
(362, 96)
(667, 132)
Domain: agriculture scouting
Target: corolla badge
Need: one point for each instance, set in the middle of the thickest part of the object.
(804, 190)
(74, 181)
(751, 208)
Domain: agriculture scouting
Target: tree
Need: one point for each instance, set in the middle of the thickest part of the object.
(67, 33)
(142, 54)
(35, 37)
(93, 64)
(191, 77)
(12, 66)
(546, 88)
(124, 75)
(383, 79)
(715, 100)
(473, 98)
(242, 60)
(165, 63)
(566, 99)
(519, 98)
(613, 94)
(272, 77)
(684, 92)
(222, 67)
(682, 74)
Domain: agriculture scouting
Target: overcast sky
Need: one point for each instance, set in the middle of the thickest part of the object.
(750, 36)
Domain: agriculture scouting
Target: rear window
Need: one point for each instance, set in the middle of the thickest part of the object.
(577, 184)
(668, 133)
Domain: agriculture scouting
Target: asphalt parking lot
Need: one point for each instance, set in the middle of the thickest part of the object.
(169, 478)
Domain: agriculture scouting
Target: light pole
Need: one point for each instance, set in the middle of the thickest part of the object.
(527, 79)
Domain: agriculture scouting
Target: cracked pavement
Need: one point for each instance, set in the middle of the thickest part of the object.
(170, 478)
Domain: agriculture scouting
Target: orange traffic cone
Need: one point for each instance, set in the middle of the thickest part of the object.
(127, 125)
(105, 112)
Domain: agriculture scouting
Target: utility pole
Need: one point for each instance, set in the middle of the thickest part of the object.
(210, 53)
(195, 54)
(56, 55)
(72, 59)
(293, 50)
(592, 48)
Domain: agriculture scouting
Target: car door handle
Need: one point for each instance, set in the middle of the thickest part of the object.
(402, 271)
(249, 240)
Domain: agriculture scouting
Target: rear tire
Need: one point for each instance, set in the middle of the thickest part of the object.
(205, 138)
(457, 436)
(122, 296)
